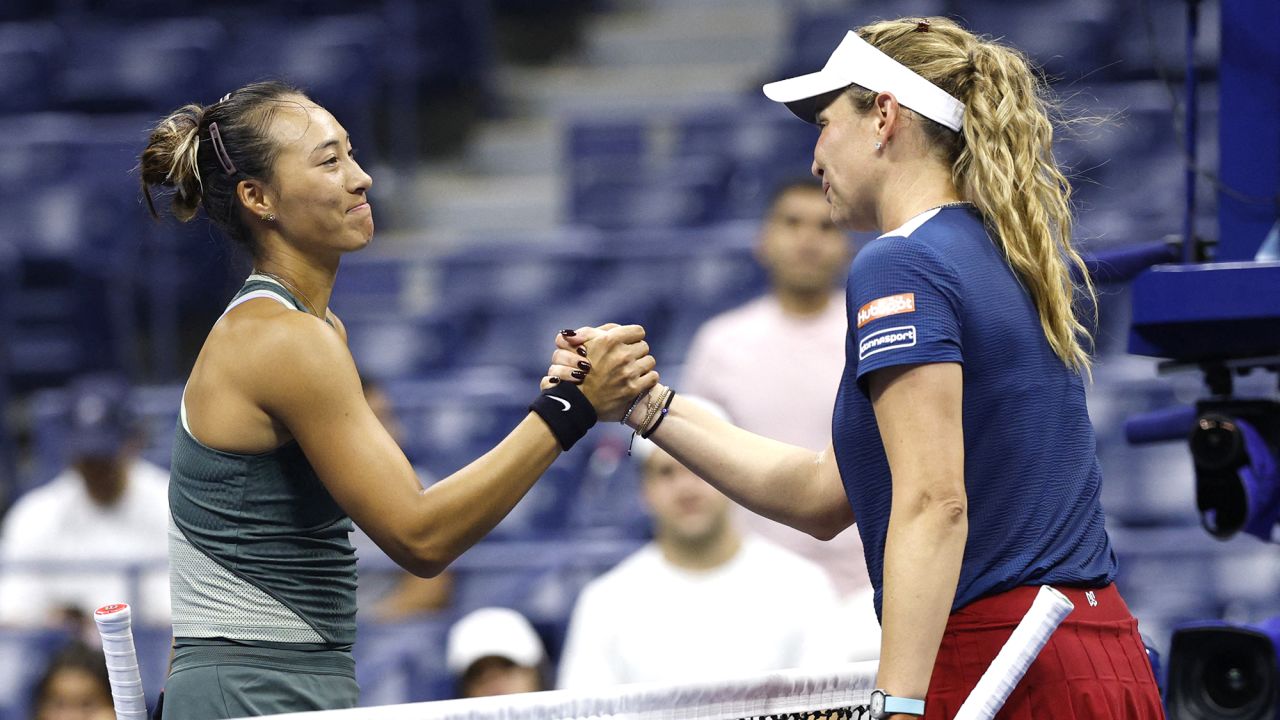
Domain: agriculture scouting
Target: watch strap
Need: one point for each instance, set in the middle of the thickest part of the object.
(906, 706)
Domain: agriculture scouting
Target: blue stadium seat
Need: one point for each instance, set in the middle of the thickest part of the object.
(403, 662)
(1076, 43)
(488, 278)
(610, 193)
(587, 138)
(31, 56)
(446, 421)
(152, 66)
(339, 60)
(814, 34)
(388, 345)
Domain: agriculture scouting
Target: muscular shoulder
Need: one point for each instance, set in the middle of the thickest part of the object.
(338, 325)
(272, 350)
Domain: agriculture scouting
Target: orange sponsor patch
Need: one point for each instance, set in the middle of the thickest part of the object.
(886, 306)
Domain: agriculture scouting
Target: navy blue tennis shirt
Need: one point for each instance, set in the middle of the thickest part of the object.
(937, 290)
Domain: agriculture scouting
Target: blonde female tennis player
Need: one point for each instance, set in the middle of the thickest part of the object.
(277, 450)
(960, 436)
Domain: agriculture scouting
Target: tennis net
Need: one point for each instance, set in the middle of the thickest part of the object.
(839, 693)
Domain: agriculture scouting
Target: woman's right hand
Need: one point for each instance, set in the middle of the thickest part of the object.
(611, 364)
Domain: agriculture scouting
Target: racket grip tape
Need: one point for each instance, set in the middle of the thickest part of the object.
(115, 626)
(1047, 611)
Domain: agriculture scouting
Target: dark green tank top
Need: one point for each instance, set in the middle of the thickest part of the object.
(258, 549)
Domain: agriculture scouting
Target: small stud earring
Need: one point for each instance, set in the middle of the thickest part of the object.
(879, 145)
(269, 217)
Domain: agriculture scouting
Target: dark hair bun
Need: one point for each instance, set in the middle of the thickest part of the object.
(170, 160)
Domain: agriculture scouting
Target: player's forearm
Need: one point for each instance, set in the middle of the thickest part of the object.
(923, 552)
(460, 510)
(779, 481)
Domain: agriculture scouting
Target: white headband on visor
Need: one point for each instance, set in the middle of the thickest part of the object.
(856, 61)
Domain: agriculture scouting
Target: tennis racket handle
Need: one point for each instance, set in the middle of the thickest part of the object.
(1028, 639)
(116, 628)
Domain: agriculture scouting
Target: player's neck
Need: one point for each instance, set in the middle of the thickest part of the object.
(926, 184)
(309, 277)
(802, 304)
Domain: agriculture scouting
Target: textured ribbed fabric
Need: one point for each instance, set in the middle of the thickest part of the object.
(939, 290)
(1094, 665)
(259, 548)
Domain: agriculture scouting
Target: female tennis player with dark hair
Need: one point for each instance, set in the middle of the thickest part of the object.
(277, 450)
(960, 436)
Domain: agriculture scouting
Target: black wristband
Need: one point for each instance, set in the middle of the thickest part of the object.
(566, 411)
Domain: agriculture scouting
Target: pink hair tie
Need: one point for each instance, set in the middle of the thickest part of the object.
(220, 150)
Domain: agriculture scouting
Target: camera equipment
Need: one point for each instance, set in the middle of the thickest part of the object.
(1234, 449)
(1224, 672)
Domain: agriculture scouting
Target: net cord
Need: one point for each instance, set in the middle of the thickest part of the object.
(841, 691)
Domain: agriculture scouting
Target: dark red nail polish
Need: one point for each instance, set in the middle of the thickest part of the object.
(578, 374)
(584, 365)
(553, 380)
(582, 350)
(568, 333)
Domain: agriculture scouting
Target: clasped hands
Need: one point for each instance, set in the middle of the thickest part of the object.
(611, 364)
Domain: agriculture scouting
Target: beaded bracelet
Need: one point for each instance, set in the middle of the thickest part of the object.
(655, 406)
(666, 407)
(631, 409)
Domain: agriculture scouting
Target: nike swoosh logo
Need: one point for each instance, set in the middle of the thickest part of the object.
(562, 401)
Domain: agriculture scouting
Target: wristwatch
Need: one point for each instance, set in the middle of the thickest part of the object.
(883, 705)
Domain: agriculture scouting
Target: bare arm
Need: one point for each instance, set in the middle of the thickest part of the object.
(919, 412)
(792, 485)
(320, 401)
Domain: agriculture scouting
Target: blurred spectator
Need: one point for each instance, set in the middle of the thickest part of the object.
(495, 651)
(794, 335)
(700, 601)
(109, 508)
(396, 594)
(74, 687)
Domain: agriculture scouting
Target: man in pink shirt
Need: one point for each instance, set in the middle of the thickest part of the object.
(794, 337)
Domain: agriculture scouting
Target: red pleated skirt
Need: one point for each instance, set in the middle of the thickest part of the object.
(1094, 665)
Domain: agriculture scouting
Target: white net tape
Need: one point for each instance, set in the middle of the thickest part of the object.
(778, 693)
(840, 692)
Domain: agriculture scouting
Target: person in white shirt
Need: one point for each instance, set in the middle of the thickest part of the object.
(795, 335)
(104, 518)
(701, 601)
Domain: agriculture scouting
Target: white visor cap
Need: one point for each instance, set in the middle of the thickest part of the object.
(856, 61)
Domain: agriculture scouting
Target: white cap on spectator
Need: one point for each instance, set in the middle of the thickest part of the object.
(641, 449)
(492, 632)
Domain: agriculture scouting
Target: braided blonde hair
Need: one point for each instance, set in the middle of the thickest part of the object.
(1002, 162)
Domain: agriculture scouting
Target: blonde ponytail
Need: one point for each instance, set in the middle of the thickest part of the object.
(1003, 163)
(1008, 170)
